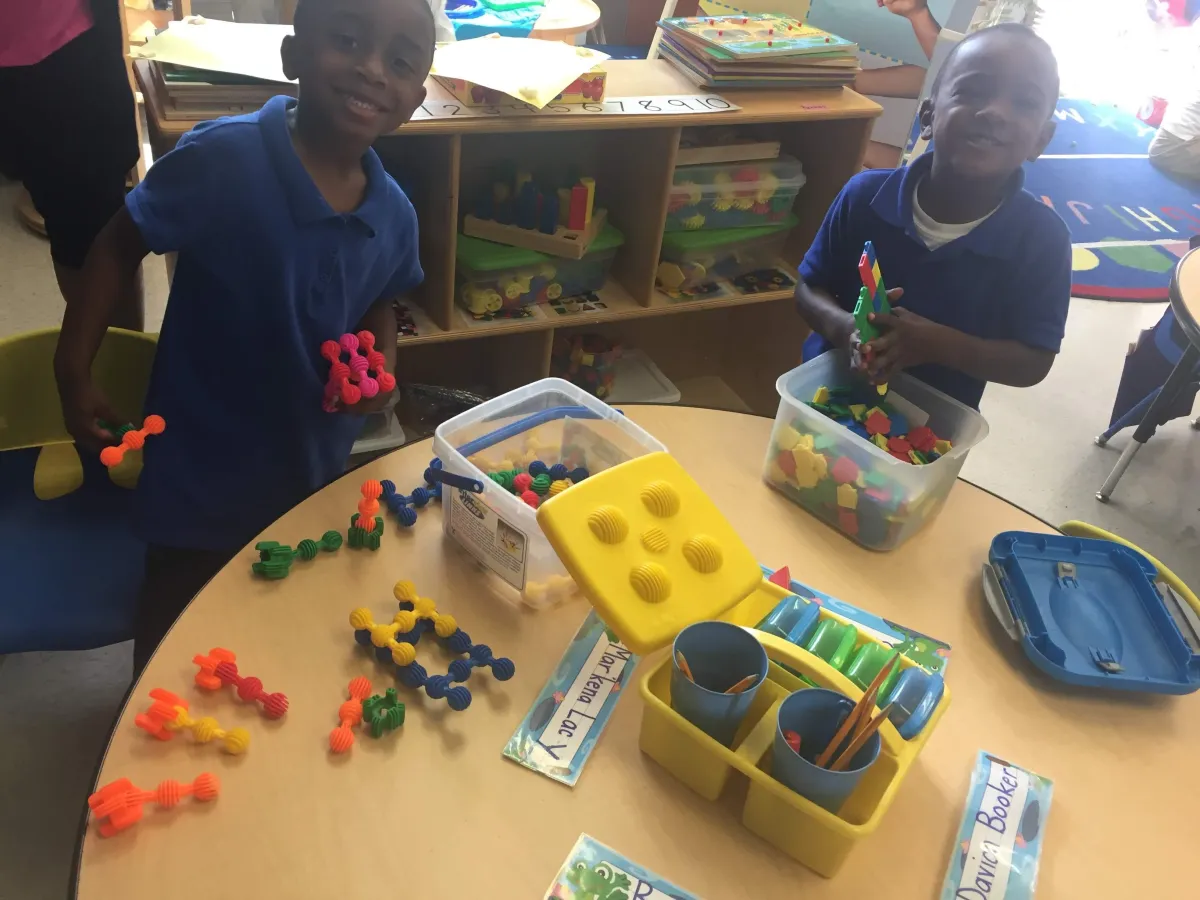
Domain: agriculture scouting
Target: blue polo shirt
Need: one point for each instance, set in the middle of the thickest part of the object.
(266, 272)
(1009, 278)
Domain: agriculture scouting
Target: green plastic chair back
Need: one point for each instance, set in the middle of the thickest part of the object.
(30, 412)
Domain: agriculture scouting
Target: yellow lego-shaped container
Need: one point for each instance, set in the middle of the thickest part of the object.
(653, 554)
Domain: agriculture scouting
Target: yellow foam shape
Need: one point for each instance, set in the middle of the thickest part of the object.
(661, 499)
(608, 524)
(57, 471)
(604, 571)
(702, 553)
(847, 496)
(786, 437)
(651, 582)
(655, 540)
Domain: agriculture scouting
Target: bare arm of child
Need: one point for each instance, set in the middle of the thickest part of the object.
(925, 27)
(113, 258)
(825, 316)
(380, 320)
(912, 340)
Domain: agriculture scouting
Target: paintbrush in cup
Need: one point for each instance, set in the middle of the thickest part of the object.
(858, 715)
(860, 739)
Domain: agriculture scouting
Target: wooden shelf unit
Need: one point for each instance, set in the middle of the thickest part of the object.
(745, 341)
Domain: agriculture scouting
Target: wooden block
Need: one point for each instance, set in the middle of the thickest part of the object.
(564, 242)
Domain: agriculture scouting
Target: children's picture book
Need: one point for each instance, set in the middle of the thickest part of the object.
(755, 35)
(931, 654)
(593, 871)
(557, 735)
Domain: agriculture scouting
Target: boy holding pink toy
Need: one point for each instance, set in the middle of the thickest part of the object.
(290, 234)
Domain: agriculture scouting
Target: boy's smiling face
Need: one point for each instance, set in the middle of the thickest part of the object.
(361, 64)
(991, 106)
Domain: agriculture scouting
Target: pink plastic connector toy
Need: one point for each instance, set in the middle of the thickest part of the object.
(362, 375)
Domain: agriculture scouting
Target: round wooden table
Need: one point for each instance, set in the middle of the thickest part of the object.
(434, 811)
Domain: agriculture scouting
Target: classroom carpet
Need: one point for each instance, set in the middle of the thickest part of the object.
(1129, 222)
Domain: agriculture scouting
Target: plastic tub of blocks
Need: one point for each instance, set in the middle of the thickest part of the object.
(551, 421)
(691, 259)
(495, 276)
(733, 195)
(873, 497)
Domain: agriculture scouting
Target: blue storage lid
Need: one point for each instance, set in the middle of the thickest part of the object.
(1087, 612)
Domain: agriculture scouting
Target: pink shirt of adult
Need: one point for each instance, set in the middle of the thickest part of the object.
(30, 30)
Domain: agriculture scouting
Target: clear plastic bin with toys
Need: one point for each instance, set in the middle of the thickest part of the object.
(733, 195)
(545, 425)
(840, 471)
(495, 276)
(691, 259)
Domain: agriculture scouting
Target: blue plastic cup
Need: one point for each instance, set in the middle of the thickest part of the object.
(719, 655)
(816, 714)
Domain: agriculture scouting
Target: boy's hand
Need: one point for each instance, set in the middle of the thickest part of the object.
(861, 351)
(907, 340)
(905, 8)
(83, 404)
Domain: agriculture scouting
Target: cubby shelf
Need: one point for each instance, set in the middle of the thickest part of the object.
(742, 341)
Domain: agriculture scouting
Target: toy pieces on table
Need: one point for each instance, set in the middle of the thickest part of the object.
(275, 559)
(118, 804)
(350, 713)
(587, 361)
(383, 714)
(396, 643)
(353, 380)
(131, 439)
(403, 507)
(561, 221)
(219, 668)
(168, 714)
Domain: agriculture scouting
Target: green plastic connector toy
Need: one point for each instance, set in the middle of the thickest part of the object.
(872, 298)
(275, 559)
(360, 538)
(384, 713)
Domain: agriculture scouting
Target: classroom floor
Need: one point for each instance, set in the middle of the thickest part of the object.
(56, 709)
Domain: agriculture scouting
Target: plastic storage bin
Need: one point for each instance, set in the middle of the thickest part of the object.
(495, 276)
(733, 195)
(914, 494)
(551, 420)
(691, 259)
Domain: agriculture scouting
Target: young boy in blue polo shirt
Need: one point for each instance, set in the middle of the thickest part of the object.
(980, 267)
(289, 233)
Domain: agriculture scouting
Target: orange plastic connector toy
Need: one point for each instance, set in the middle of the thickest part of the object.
(368, 506)
(133, 440)
(350, 714)
(169, 714)
(219, 668)
(118, 804)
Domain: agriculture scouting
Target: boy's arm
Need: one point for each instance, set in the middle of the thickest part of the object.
(113, 258)
(824, 314)
(925, 27)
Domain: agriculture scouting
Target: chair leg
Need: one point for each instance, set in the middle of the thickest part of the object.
(1132, 417)
(1176, 381)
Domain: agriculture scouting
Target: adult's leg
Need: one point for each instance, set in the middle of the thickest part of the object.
(1175, 155)
(75, 144)
(173, 577)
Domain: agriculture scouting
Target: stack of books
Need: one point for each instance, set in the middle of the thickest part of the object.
(758, 51)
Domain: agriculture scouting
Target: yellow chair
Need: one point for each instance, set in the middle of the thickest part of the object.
(30, 413)
(71, 564)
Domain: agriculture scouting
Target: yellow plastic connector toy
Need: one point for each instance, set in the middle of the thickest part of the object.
(403, 623)
(168, 714)
(650, 549)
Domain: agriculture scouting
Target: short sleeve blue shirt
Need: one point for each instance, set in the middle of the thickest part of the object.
(1007, 279)
(266, 272)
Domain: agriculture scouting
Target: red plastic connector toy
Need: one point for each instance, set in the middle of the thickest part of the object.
(350, 714)
(133, 440)
(219, 668)
(118, 804)
(351, 381)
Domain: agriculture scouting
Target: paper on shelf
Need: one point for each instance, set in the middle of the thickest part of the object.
(525, 68)
(242, 49)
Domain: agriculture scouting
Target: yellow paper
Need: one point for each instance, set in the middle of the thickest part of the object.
(528, 69)
(243, 49)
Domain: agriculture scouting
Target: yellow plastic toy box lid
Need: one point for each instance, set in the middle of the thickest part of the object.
(649, 550)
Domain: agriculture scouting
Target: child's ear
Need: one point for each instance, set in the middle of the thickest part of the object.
(287, 55)
(925, 117)
(1043, 140)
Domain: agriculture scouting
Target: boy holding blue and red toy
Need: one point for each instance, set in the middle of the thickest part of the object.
(982, 268)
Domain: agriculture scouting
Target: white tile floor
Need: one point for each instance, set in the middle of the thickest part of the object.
(56, 709)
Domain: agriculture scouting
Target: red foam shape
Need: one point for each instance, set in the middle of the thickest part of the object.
(787, 461)
(844, 470)
(848, 521)
(922, 438)
(899, 445)
(781, 577)
(877, 423)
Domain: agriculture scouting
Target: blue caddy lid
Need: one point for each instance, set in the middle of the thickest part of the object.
(1087, 612)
